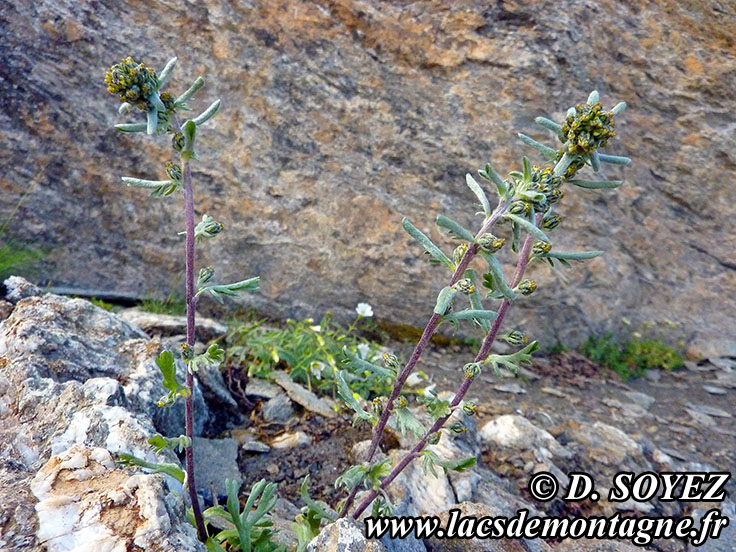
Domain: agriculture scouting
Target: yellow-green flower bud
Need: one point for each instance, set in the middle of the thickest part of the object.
(465, 286)
(489, 242)
(205, 275)
(458, 427)
(402, 402)
(541, 248)
(174, 171)
(177, 141)
(133, 82)
(391, 362)
(434, 438)
(187, 352)
(377, 406)
(471, 370)
(470, 408)
(550, 222)
(520, 208)
(459, 253)
(527, 287)
(515, 337)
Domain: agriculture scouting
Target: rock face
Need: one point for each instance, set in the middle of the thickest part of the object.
(340, 116)
(78, 386)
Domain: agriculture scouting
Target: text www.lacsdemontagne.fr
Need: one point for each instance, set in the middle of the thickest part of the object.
(638, 530)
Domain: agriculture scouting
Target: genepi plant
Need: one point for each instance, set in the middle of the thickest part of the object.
(139, 86)
(526, 200)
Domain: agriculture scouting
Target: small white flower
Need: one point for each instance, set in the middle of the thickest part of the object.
(316, 369)
(316, 328)
(364, 310)
(414, 379)
(364, 349)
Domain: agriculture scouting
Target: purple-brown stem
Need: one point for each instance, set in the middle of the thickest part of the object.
(462, 390)
(429, 330)
(191, 300)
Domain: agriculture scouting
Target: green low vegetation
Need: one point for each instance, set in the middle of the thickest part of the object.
(631, 358)
(173, 304)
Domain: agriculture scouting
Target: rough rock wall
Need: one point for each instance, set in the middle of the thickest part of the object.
(340, 116)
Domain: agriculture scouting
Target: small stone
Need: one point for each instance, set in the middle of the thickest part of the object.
(290, 440)
(554, 392)
(165, 325)
(713, 390)
(725, 364)
(261, 389)
(302, 396)
(278, 409)
(218, 461)
(642, 399)
(251, 445)
(17, 288)
(514, 388)
(344, 535)
(700, 418)
(710, 410)
(6, 307)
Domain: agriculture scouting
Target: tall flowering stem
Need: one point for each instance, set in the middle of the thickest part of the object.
(139, 87)
(526, 200)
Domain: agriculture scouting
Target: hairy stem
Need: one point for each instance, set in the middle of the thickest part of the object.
(463, 389)
(429, 330)
(191, 300)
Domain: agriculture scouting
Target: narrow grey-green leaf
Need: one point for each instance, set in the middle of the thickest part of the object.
(151, 120)
(155, 100)
(547, 151)
(364, 365)
(189, 93)
(454, 227)
(595, 161)
(594, 98)
(141, 183)
(528, 226)
(207, 114)
(614, 159)
(131, 127)
(574, 255)
(499, 280)
(619, 108)
(189, 130)
(548, 124)
(479, 193)
(596, 184)
(527, 169)
(490, 173)
(475, 300)
(444, 299)
(431, 248)
(563, 164)
(471, 314)
(166, 72)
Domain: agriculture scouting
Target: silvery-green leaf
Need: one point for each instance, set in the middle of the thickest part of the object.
(527, 169)
(131, 127)
(614, 159)
(207, 114)
(189, 130)
(619, 108)
(230, 290)
(431, 248)
(572, 112)
(499, 280)
(595, 161)
(140, 183)
(166, 72)
(407, 422)
(475, 301)
(186, 96)
(516, 242)
(574, 255)
(563, 164)
(155, 99)
(479, 193)
(169, 469)
(489, 173)
(528, 226)
(594, 98)
(363, 365)
(548, 124)
(514, 360)
(454, 227)
(444, 299)
(596, 184)
(471, 314)
(532, 196)
(347, 395)
(151, 120)
(547, 151)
